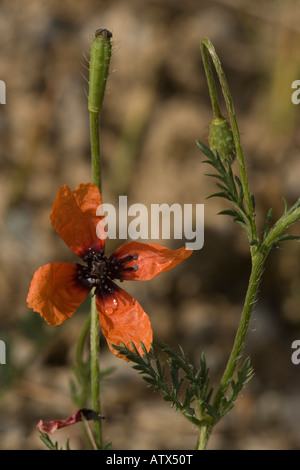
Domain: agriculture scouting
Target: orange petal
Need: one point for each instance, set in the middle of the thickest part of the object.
(74, 217)
(55, 292)
(122, 320)
(150, 258)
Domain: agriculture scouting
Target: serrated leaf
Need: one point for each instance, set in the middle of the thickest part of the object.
(223, 188)
(221, 194)
(215, 175)
(240, 189)
(285, 205)
(206, 150)
(231, 213)
(150, 380)
(288, 237)
(268, 224)
(138, 367)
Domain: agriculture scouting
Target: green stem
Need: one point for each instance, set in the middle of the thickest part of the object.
(259, 251)
(281, 226)
(203, 436)
(94, 329)
(95, 149)
(256, 272)
(95, 370)
(99, 67)
(258, 259)
(206, 45)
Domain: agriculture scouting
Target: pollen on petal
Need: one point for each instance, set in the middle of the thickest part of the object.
(123, 320)
(74, 217)
(149, 259)
(55, 292)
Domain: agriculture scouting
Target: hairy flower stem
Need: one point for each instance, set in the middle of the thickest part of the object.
(99, 67)
(258, 252)
(203, 437)
(256, 273)
(95, 328)
(95, 371)
(281, 226)
(95, 150)
(258, 249)
(208, 48)
(258, 259)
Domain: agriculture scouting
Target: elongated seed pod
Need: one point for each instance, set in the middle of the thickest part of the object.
(99, 66)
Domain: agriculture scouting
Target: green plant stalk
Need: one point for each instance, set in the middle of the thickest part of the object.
(95, 371)
(256, 272)
(259, 251)
(206, 46)
(95, 150)
(204, 427)
(94, 326)
(280, 227)
(99, 67)
(203, 436)
(258, 259)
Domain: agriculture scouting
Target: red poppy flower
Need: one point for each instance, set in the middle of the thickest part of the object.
(58, 289)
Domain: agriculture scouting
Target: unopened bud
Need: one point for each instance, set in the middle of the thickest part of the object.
(221, 139)
(99, 67)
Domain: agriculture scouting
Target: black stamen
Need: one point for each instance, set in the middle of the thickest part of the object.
(100, 271)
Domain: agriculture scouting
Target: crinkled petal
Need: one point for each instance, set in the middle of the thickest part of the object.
(122, 320)
(55, 292)
(74, 218)
(49, 427)
(150, 259)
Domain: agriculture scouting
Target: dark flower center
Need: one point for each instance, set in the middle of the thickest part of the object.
(99, 271)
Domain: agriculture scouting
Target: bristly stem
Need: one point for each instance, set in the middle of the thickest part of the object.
(95, 150)
(207, 47)
(203, 437)
(95, 371)
(99, 67)
(259, 249)
(255, 277)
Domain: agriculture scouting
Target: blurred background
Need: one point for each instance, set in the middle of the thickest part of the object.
(156, 107)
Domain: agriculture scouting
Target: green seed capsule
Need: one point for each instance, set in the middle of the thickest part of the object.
(221, 139)
(99, 66)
